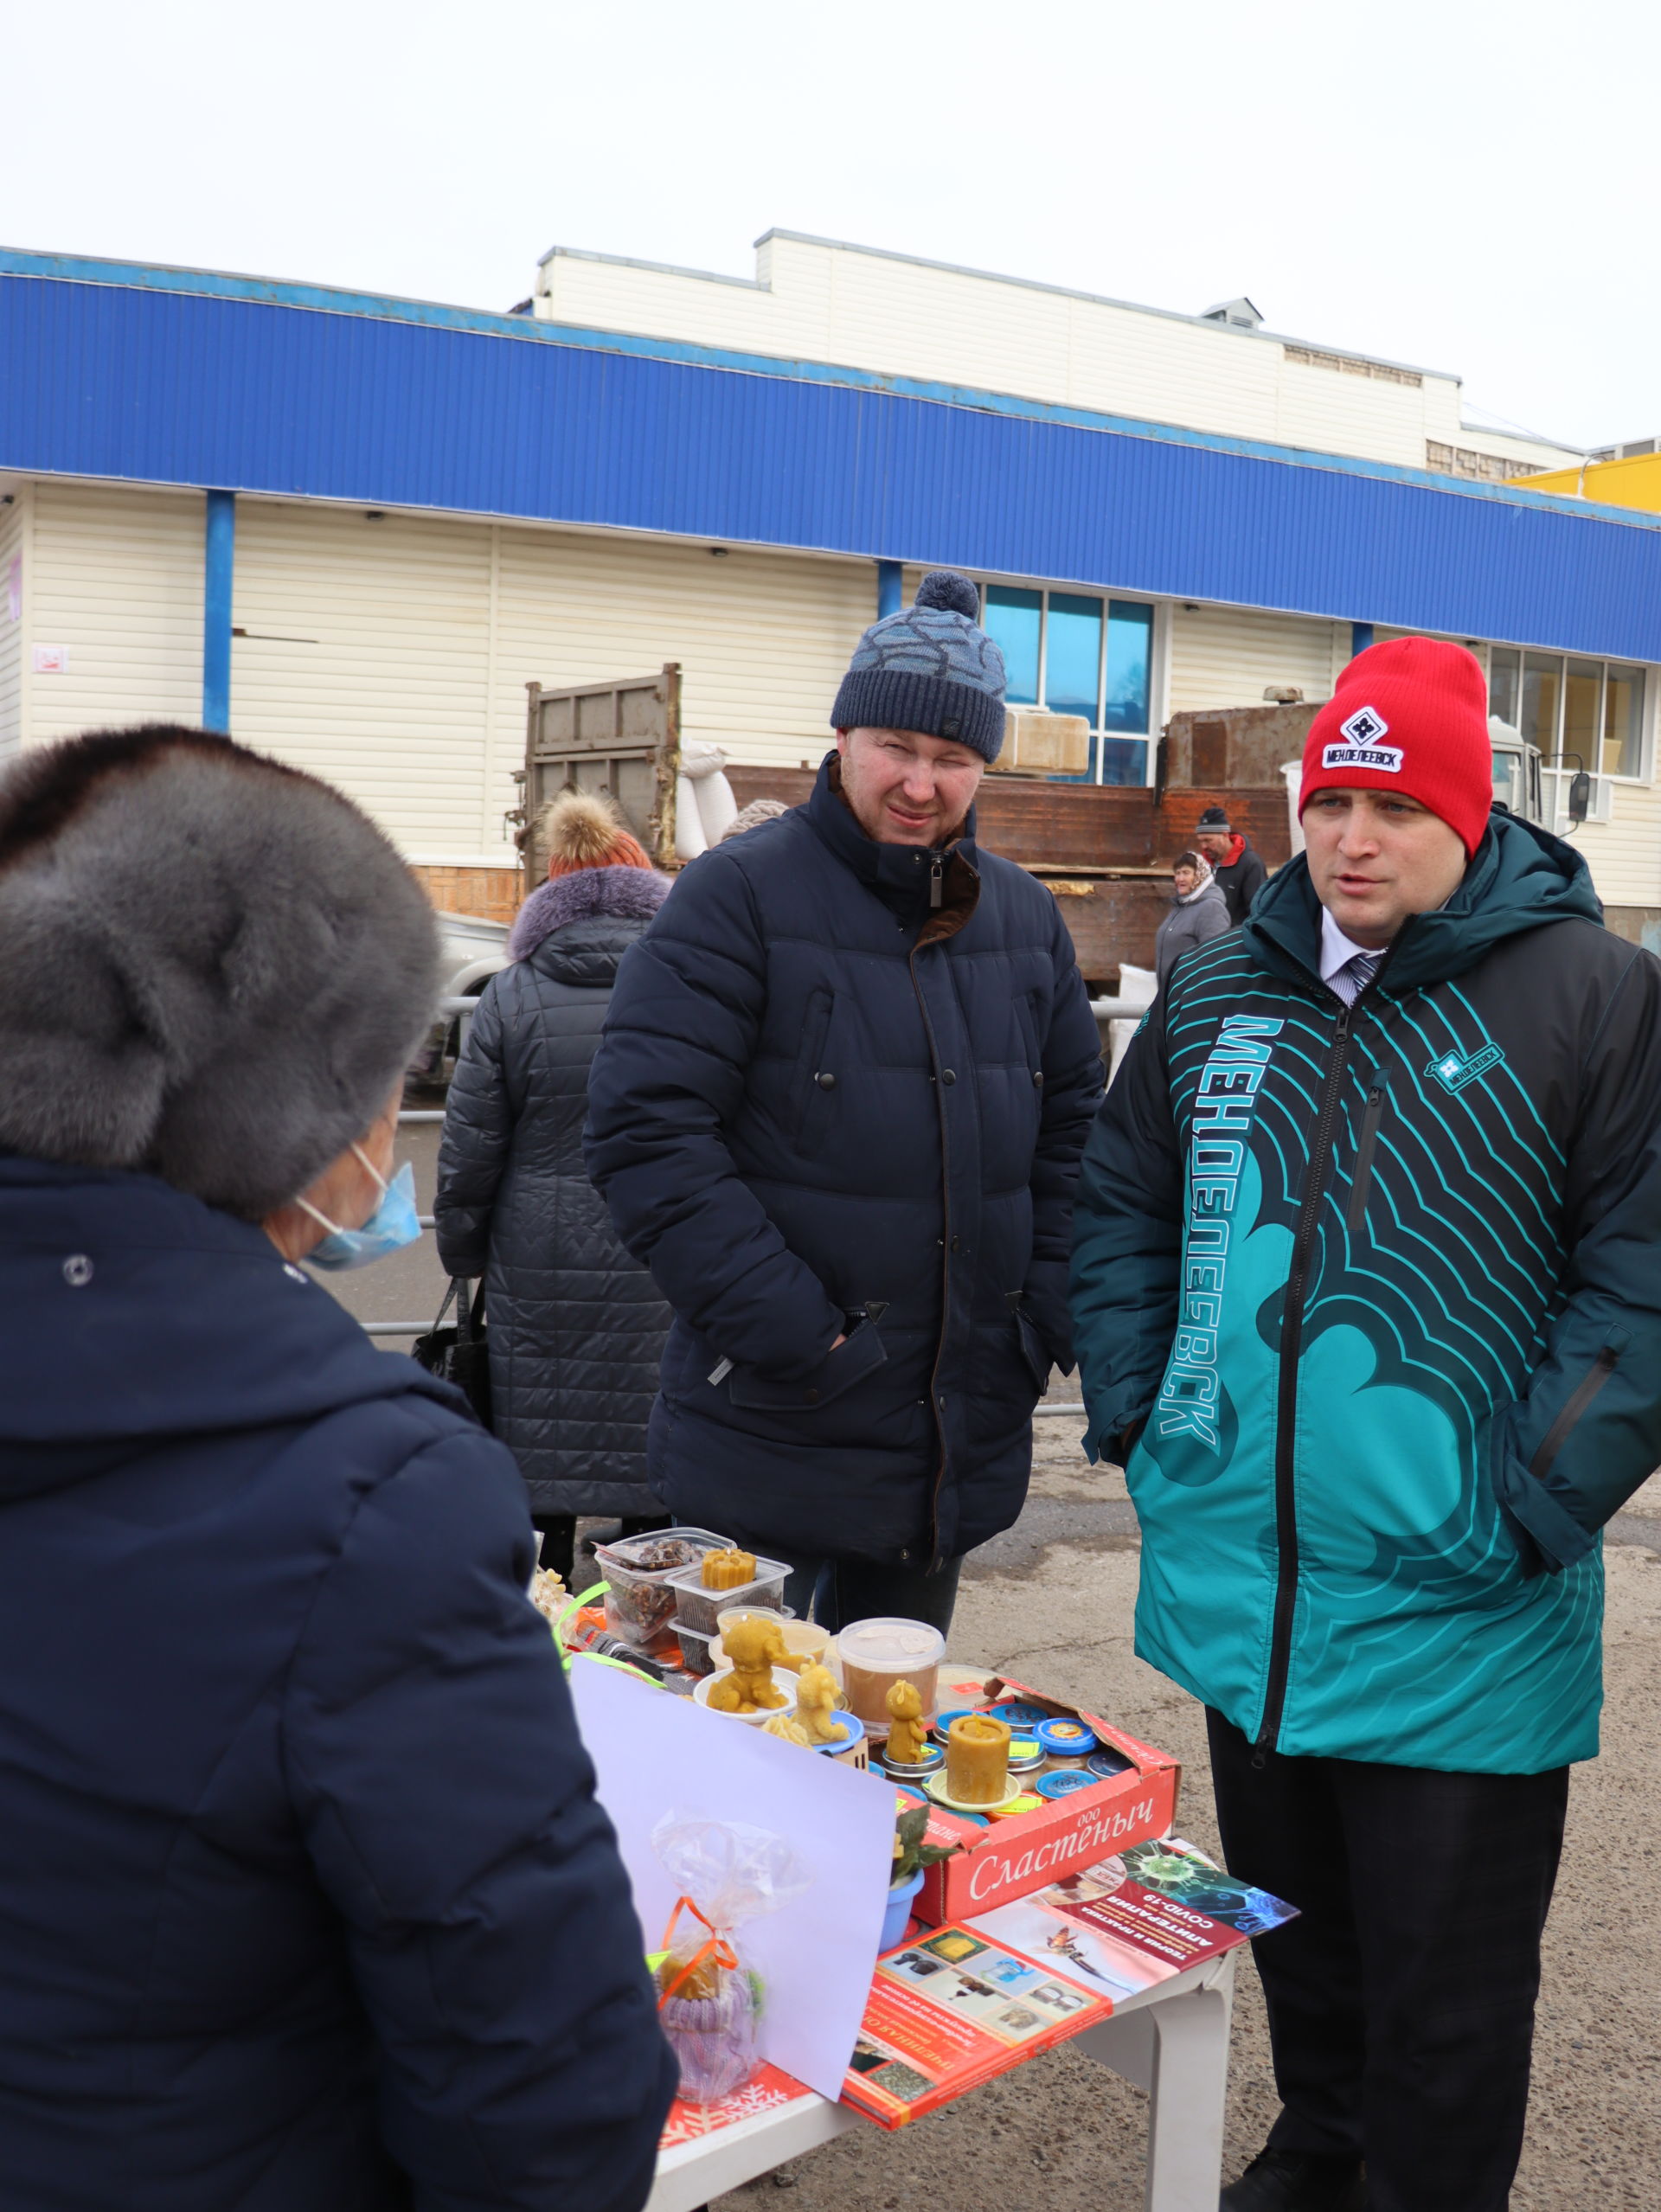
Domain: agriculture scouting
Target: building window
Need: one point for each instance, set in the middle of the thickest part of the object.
(1076, 654)
(1580, 714)
(1465, 460)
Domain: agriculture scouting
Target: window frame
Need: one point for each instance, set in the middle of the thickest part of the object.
(1551, 759)
(1158, 661)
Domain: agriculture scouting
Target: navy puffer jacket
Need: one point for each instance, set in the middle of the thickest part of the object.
(305, 1901)
(821, 1096)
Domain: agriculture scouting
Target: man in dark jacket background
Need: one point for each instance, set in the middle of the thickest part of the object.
(1368, 1305)
(838, 1110)
(1237, 865)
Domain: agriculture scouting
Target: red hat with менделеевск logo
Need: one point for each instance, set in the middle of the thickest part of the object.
(1409, 716)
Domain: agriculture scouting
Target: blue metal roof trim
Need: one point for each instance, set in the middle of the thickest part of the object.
(271, 291)
(163, 385)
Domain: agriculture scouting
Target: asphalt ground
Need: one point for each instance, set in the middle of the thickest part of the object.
(1050, 1602)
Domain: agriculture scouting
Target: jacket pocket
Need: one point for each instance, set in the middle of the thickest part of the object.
(1355, 1214)
(1575, 1407)
(851, 1363)
(1032, 1351)
(813, 1080)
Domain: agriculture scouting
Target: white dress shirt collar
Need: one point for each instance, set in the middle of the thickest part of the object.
(1337, 950)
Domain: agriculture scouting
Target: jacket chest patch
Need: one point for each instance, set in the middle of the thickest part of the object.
(1454, 1070)
(1224, 1103)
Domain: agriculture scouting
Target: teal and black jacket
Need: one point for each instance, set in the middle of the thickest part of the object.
(1377, 1291)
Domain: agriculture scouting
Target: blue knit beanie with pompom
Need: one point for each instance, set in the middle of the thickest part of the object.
(930, 668)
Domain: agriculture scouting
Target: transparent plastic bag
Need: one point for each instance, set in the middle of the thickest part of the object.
(710, 1994)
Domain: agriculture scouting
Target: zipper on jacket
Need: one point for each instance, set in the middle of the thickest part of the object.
(946, 1254)
(1576, 1403)
(936, 873)
(1292, 1332)
(1372, 1114)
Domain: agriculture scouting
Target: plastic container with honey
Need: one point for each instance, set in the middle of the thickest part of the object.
(876, 1654)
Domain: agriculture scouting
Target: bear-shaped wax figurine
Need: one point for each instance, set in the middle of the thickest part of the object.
(816, 1702)
(787, 1728)
(907, 1737)
(755, 1647)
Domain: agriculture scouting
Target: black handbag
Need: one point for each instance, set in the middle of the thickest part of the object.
(460, 1354)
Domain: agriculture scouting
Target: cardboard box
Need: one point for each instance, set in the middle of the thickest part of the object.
(1011, 1858)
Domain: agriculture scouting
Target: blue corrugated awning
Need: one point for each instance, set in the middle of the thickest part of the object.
(179, 377)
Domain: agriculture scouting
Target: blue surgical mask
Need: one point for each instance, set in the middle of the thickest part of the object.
(394, 1224)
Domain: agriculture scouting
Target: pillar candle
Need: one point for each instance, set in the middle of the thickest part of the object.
(977, 1759)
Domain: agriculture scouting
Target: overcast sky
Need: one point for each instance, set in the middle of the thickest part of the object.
(1462, 186)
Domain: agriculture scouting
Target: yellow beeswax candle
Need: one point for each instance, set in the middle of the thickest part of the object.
(727, 1570)
(977, 1759)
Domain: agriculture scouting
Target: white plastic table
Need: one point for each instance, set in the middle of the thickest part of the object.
(1171, 2040)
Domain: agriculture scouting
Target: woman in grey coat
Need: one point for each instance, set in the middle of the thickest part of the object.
(576, 1327)
(1198, 913)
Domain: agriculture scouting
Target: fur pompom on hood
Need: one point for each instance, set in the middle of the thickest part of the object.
(582, 830)
(610, 893)
(213, 968)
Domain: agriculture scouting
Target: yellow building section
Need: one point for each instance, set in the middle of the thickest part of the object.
(1632, 483)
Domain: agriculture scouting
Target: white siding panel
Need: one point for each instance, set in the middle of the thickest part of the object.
(14, 532)
(1228, 655)
(368, 661)
(1625, 853)
(118, 580)
(763, 640)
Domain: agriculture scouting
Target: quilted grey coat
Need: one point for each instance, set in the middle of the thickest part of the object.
(576, 1327)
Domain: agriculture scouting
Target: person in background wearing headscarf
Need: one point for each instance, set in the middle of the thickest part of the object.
(576, 1327)
(1198, 913)
(305, 1899)
(752, 816)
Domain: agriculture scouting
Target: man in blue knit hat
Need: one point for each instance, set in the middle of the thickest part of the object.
(838, 1110)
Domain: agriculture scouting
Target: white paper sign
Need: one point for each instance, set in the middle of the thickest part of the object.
(654, 1753)
(51, 660)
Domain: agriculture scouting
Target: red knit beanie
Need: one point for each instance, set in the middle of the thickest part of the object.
(1410, 716)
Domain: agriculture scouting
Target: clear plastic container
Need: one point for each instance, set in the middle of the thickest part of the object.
(802, 1640)
(697, 1657)
(876, 1654)
(639, 1596)
(700, 1609)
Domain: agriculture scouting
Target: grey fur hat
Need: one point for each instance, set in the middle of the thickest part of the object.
(213, 967)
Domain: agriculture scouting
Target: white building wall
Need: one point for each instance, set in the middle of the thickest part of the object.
(815, 300)
(117, 582)
(1229, 655)
(367, 660)
(427, 631)
(14, 564)
(391, 658)
(763, 639)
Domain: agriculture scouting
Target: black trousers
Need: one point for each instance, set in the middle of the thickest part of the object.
(1402, 2003)
(559, 1534)
(837, 1591)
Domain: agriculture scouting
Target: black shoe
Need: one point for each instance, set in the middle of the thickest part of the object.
(1295, 2181)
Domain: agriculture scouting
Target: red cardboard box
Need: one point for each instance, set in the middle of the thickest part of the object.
(1011, 1858)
